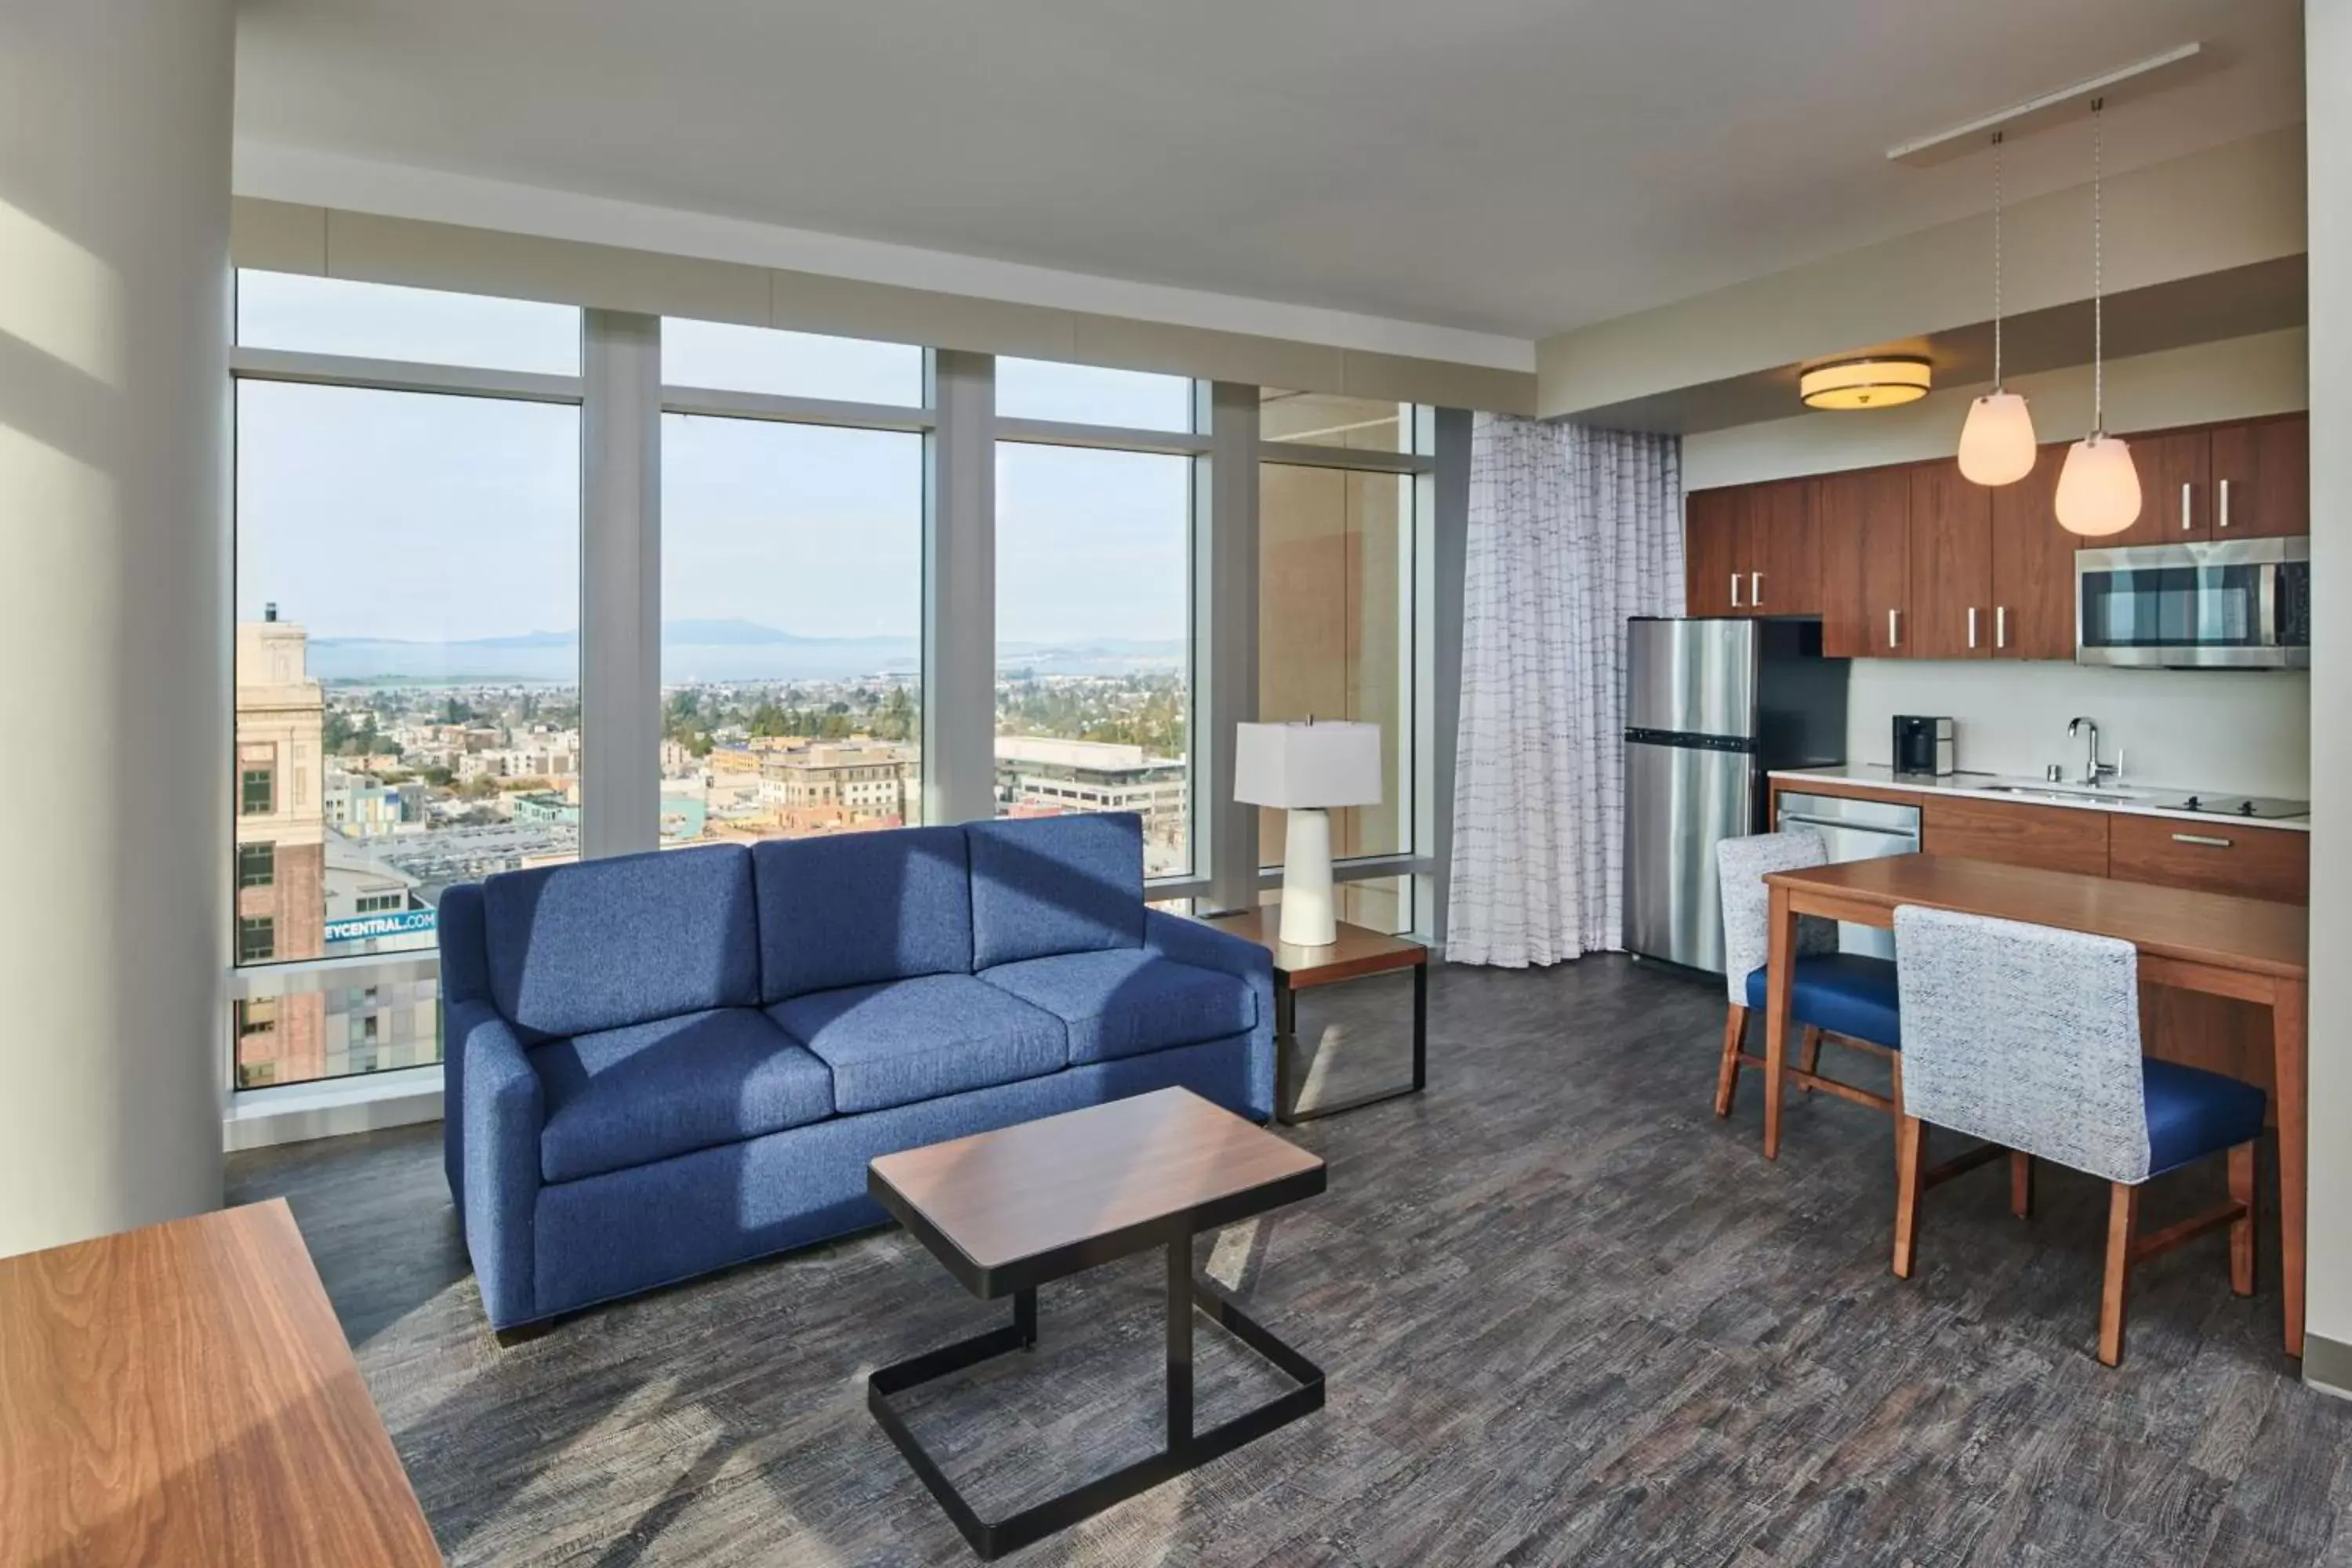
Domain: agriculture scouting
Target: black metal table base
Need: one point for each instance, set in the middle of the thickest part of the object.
(1186, 1449)
(1287, 1109)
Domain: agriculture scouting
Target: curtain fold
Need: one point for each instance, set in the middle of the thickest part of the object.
(1571, 531)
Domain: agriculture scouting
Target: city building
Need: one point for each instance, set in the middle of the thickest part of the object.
(280, 839)
(1039, 775)
(840, 781)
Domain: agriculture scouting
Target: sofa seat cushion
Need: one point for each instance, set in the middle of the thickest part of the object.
(906, 1040)
(1126, 1001)
(631, 1095)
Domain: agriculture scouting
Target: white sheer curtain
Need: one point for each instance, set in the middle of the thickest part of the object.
(1572, 530)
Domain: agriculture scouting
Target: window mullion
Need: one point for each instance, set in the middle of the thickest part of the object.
(620, 584)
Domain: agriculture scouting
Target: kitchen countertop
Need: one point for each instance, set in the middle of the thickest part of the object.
(2132, 799)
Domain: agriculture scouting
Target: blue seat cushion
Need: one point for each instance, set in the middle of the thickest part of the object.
(905, 1040)
(630, 1096)
(2192, 1113)
(598, 944)
(1056, 884)
(1124, 1002)
(1848, 993)
(858, 908)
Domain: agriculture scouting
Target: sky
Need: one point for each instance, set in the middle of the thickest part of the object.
(395, 515)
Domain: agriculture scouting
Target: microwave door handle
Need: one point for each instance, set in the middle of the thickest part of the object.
(2266, 602)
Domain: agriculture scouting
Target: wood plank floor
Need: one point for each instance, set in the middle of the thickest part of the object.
(1568, 1316)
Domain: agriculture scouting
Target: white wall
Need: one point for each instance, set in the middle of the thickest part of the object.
(2231, 730)
(2328, 54)
(114, 193)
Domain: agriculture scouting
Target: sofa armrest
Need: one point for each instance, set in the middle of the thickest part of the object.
(1203, 946)
(491, 1121)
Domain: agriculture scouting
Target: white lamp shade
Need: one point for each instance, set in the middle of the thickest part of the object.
(1297, 767)
(2098, 489)
(1997, 443)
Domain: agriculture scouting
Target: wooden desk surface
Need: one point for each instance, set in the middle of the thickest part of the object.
(2254, 935)
(1041, 1188)
(182, 1394)
(1359, 950)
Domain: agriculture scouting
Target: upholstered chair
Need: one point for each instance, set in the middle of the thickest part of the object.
(2031, 1036)
(1846, 997)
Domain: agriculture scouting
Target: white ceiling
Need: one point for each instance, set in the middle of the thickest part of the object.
(1512, 166)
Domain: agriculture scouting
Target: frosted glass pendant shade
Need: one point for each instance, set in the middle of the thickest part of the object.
(1997, 443)
(2098, 489)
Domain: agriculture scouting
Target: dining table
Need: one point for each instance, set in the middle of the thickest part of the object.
(2252, 949)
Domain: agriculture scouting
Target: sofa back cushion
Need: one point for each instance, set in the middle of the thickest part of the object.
(602, 945)
(860, 908)
(1056, 884)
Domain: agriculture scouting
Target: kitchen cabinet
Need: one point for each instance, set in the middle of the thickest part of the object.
(2032, 565)
(2261, 478)
(2223, 856)
(1715, 551)
(2059, 837)
(1950, 598)
(1751, 549)
(1863, 533)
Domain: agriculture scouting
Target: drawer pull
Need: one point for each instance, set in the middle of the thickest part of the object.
(2207, 839)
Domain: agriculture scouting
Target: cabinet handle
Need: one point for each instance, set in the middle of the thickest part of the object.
(2207, 839)
(2000, 625)
(1734, 590)
(2221, 514)
(2187, 491)
(1755, 590)
(1972, 625)
(1894, 630)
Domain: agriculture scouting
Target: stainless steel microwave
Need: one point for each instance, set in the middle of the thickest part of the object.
(2238, 603)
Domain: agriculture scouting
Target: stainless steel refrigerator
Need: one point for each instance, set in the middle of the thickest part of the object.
(1711, 706)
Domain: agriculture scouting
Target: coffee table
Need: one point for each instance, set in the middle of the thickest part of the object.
(1008, 1211)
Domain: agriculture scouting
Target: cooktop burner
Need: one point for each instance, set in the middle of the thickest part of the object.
(2240, 806)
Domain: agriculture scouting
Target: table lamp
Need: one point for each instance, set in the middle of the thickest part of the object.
(1305, 769)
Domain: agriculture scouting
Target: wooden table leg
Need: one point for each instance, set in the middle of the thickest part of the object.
(2288, 1067)
(1779, 979)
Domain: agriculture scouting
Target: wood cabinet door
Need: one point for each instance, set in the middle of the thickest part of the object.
(1951, 564)
(2222, 854)
(1862, 526)
(2032, 565)
(1714, 551)
(2262, 478)
(2175, 490)
(2062, 837)
(1784, 576)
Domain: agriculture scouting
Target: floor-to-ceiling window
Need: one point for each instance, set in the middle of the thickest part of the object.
(1093, 598)
(791, 583)
(406, 646)
(1343, 497)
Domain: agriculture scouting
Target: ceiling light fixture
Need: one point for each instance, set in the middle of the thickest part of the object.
(2098, 489)
(1997, 443)
(1877, 381)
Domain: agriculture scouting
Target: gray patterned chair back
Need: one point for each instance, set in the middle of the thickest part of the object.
(1740, 865)
(2024, 1035)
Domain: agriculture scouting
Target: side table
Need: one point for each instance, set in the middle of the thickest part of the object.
(1360, 951)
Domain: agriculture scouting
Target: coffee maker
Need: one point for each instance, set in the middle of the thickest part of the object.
(1924, 745)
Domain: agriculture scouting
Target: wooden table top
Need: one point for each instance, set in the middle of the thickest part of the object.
(182, 1394)
(1359, 950)
(2220, 929)
(1011, 1208)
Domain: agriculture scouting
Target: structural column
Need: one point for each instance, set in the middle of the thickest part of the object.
(114, 611)
(2328, 1344)
(959, 592)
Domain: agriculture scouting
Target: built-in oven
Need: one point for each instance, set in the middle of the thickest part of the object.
(2238, 603)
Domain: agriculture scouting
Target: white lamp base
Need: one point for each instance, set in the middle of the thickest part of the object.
(1307, 918)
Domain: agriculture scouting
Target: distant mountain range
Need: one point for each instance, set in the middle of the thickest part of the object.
(704, 651)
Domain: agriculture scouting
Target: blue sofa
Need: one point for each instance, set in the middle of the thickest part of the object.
(659, 1065)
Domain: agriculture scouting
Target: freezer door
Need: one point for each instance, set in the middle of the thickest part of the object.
(1695, 677)
(1680, 801)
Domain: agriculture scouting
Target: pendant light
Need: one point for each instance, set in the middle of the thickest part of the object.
(1997, 443)
(2098, 489)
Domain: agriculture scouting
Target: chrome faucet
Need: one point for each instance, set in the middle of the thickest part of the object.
(2094, 770)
